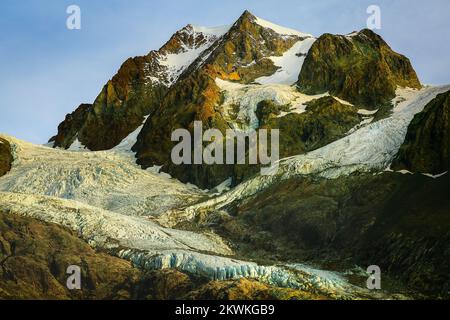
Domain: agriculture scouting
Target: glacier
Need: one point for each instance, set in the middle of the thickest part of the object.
(80, 190)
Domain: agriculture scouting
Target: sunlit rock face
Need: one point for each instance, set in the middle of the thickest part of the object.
(360, 68)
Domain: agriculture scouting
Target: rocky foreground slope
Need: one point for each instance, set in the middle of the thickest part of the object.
(34, 256)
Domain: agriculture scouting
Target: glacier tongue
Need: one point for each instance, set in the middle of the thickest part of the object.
(150, 246)
(297, 276)
(106, 229)
(107, 179)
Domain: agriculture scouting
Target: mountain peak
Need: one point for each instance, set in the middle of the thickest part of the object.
(248, 18)
(247, 15)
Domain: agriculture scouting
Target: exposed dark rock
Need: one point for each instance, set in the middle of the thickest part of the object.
(117, 111)
(325, 120)
(427, 144)
(6, 158)
(398, 222)
(243, 52)
(360, 68)
(134, 92)
(69, 128)
(247, 289)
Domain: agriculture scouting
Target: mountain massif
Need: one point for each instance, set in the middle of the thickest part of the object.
(359, 68)
(361, 180)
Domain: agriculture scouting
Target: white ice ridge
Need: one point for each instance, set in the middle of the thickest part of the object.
(279, 29)
(297, 276)
(290, 64)
(372, 147)
(107, 229)
(107, 179)
(215, 31)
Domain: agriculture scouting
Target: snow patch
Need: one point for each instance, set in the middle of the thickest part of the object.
(279, 29)
(172, 65)
(77, 146)
(435, 176)
(247, 97)
(290, 64)
(222, 187)
(128, 142)
(365, 112)
(212, 31)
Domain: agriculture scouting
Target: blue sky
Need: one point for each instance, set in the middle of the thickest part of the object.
(46, 70)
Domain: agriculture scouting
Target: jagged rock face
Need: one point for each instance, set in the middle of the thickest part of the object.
(134, 92)
(360, 68)
(196, 96)
(6, 158)
(69, 128)
(399, 222)
(177, 85)
(117, 111)
(324, 121)
(427, 144)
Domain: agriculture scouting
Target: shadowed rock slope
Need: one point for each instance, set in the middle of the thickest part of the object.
(427, 144)
(5, 157)
(398, 222)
